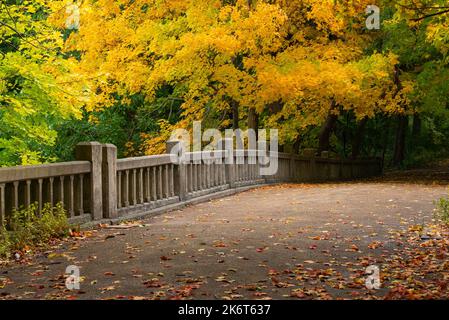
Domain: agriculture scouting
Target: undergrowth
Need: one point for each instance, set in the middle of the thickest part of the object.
(28, 228)
(442, 209)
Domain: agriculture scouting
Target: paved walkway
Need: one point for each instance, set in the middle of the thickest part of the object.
(280, 242)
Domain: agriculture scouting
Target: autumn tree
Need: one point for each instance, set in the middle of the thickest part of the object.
(227, 61)
(416, 31)
(37, 86)
(307, 67)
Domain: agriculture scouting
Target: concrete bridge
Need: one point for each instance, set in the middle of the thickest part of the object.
(211, 230)
(98, 187)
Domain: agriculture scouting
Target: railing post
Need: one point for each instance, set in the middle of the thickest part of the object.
(228, 146)
(292, 176)
(352, 169)
(313, 169)
(92, 151)
(380, 167)
(176, 149)
(109, 171)
(2, 205)
(311, 154)
(340, 170)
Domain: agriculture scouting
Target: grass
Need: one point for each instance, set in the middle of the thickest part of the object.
(442, 209)
(29, 228)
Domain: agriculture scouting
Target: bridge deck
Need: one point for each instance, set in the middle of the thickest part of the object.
(287, 241)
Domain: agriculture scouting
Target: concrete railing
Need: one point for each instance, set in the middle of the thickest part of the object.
(143, 183)
(99, 186)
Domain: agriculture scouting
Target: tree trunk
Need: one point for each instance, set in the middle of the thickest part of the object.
(358, 138)
(402, 124)
(253, 119)
(416, 130)
(386, 135)
(235, 115)
(327, 129)
(275, 107)
(399, 150)
(297, 145)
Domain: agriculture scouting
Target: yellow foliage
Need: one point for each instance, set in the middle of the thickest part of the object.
(303, 53)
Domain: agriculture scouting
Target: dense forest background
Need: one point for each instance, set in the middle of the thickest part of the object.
(128, 72)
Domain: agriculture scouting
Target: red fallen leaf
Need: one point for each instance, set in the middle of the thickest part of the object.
(260, 294)
(154, 283)
(164, 258)
(443, 285)
(273, 272)
(110, 288)
(220, 245)
(313, 247)
(251, 287)
(375, 245)
(297, 293)
(75, 234)
(185, 291)
(261, 249)
(280, 284)
(109, 273)
(36, 286)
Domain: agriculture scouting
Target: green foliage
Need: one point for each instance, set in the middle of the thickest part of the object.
(431, 144)
(29, 228)
(38, 87)
(443, 209)
(121, 125)
(28, 112)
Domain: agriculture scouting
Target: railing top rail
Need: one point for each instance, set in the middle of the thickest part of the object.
(143, 162)
(331, 160)
(205, 155)
(21, 173)
(284, 155)
(248, 152)
(347, 161)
